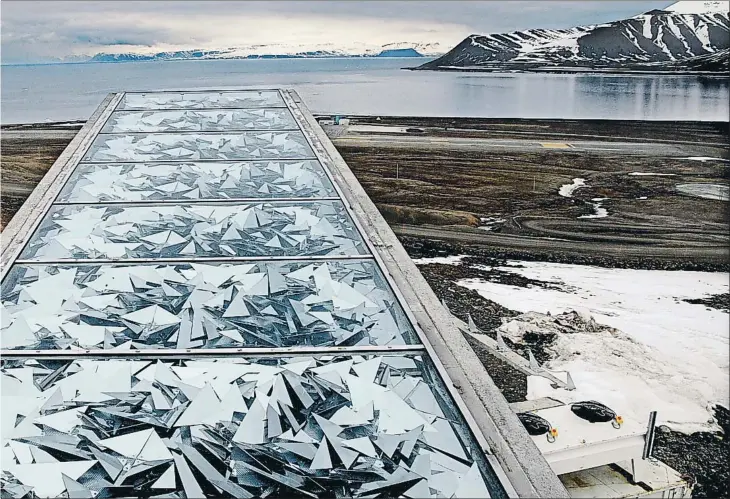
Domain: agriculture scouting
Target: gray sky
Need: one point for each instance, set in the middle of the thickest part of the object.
(42, 31)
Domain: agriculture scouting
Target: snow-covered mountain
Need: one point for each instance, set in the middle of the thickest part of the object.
(681, 32)
(273, 51)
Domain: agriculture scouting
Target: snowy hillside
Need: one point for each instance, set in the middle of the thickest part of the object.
(271, 51)
(682, 32)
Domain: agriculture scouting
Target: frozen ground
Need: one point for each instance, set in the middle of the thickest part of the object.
(674, 355)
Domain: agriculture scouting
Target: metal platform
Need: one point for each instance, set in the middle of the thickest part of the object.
(199, 297)
(601, 459)
(582, 445)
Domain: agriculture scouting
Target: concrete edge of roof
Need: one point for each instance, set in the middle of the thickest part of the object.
(525, 467)
(16, 234)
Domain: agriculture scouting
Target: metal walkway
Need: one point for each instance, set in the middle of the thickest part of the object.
(200, 299)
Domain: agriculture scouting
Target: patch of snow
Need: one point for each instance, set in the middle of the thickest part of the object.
(680, 356)
(443, 260)
(707, 191)
(566, 190)
(678, 34)
(603, 359)
(632, 37)
(659, 42)
(648, 174)
(475, 43)
(703, 35)
(567, 41)
(490, 223)
(67, 124)
(646, 20)
(599, 211)
(706, 158)
(642, 197)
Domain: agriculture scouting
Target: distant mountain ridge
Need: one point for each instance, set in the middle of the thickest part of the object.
(656, 40)
(281, 51)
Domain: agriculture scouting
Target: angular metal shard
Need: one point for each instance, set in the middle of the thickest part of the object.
(129, 445)
(472, 485)
(472, 326)
(190, 484)
(533, 362)
(252, 428)
(166, 480)
(211, 474)
(569, 385)
(322, 459)
(46, 479)
(75, 489)
(501, 345)
(205, 408)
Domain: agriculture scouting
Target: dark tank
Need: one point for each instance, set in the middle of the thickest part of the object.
(593, 411)
(534, 424)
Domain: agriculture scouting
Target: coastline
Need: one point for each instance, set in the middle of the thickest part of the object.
(575, 71)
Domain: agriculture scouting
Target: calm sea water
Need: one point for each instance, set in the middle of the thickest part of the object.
(370, 86)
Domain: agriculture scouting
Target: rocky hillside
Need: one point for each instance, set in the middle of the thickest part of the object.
(669, 39)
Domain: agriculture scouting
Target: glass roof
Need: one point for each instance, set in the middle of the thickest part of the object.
(345, 426)
(203, 225)
(103, 182)
(201, 230)
(193, 146)
(200, 121)
(245, 99)
(195, 305)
